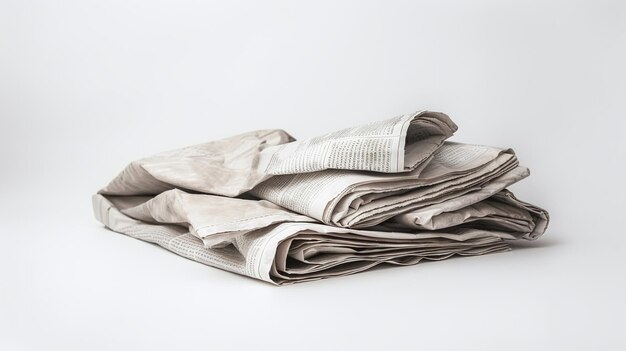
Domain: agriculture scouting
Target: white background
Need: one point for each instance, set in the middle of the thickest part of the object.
(88, 86)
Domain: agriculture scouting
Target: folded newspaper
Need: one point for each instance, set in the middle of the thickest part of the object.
(266, 206)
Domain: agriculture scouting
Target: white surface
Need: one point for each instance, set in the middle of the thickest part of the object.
(87, 86)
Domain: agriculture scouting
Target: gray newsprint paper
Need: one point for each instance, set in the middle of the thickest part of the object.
(266, 206)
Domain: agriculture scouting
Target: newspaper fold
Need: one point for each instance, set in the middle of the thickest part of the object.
(235, 165)
(394, 145)
(283, 211)
(364, 199)
(223, 167)
(276, 245)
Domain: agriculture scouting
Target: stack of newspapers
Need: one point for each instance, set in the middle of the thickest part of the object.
(266, 206)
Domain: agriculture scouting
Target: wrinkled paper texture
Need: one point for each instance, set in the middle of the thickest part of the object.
(266, 206)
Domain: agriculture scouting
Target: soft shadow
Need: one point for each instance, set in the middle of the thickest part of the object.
(542, 242)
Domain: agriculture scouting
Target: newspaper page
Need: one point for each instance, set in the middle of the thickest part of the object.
(234, 165)
(223, 167)
(394, 145)
(296, 252)
(349, 199)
